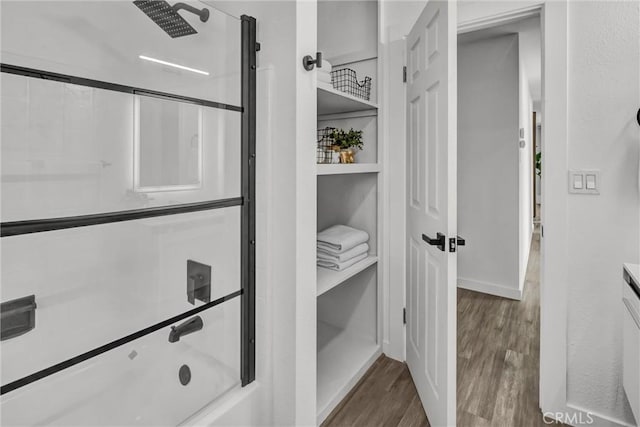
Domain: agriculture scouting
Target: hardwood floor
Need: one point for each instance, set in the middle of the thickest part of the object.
(386, 396)
(498, 359)
(499, 355)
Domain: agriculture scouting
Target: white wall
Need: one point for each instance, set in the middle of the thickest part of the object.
(348, 30)
(398, 16)
(525, 172)
(488, 163)
(604, 40)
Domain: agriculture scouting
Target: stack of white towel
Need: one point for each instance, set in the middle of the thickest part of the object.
(340, 247)
(324, 72)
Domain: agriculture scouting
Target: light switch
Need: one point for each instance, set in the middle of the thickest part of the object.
(584, 182)
(577, 182)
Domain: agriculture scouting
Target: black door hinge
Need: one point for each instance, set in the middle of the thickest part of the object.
(541, 230)
(404, 316)
(404, 74)
(258, 47)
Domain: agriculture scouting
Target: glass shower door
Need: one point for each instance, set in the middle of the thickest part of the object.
(127, 216)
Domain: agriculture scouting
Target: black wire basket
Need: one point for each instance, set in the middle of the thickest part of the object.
(345, 80)
(324, 152)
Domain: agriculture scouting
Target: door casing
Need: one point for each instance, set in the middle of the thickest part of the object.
(554, 272)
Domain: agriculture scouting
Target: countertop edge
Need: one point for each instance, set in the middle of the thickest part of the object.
(631, 275)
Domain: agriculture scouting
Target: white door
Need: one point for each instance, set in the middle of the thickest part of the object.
(431, 209)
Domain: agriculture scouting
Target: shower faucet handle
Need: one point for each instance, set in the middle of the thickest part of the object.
(198, 282)
(308, 62)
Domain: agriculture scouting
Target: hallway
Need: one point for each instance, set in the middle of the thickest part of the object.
(498, 359)
(499, 355)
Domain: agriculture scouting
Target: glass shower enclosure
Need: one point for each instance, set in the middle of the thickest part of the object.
(127, 208)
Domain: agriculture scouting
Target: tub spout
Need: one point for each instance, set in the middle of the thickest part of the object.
(190, 326)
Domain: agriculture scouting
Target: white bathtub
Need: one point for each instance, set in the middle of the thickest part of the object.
(137, 384)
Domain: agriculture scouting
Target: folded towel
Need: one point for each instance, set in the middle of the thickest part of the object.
(341, 238)
(326, 255)
(339, 266)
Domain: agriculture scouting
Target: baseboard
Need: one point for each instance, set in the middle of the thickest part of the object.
(490, 288)
(576, 416)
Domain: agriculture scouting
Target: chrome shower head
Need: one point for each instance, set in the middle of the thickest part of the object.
(168, 18)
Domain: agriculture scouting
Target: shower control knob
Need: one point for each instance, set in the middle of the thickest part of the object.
(308, 62)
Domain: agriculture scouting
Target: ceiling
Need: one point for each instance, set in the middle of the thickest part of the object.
(529, 33)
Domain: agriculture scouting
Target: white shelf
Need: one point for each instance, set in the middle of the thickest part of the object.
(343, 359)
(332, 101)
(329, 279)
(342, 169)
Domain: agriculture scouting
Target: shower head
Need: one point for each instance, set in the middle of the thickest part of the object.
(167, 17)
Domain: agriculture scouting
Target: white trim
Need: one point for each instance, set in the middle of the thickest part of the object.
(382, 204)
(344, 169)
(349, 115)
(352, 57)
(305, 356)
(324, 412)
(573, 413)
(554, 214)
(490, 288)
(499, 19)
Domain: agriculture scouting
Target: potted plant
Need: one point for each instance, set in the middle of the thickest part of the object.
(347, 142)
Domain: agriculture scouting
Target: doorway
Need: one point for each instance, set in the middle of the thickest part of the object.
(498, 342)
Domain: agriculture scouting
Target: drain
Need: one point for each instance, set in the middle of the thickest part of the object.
(184, 374)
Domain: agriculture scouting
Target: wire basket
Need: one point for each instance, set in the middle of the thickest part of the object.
(345, 80)
(324, 152)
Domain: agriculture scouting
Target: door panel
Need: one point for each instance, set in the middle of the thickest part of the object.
(431, 200)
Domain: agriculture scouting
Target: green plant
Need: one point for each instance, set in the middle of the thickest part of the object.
(539, 164)
(347, 139)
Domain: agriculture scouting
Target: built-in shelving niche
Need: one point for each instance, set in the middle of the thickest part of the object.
(347, 301)
(347, 343)
(350, 200)
(366, 121)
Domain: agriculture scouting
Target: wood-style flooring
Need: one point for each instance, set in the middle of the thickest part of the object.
(386, 396)
(498, 359)
(499, 355)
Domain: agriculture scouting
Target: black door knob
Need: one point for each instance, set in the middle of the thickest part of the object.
(439, 241)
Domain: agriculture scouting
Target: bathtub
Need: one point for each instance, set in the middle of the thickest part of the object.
(138, 383)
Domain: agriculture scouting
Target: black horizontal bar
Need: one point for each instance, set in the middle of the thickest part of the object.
(110, 346)
(99, 84)
(16, 228)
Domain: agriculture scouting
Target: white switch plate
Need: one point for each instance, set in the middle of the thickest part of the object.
(584, 182)
(578, 181)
